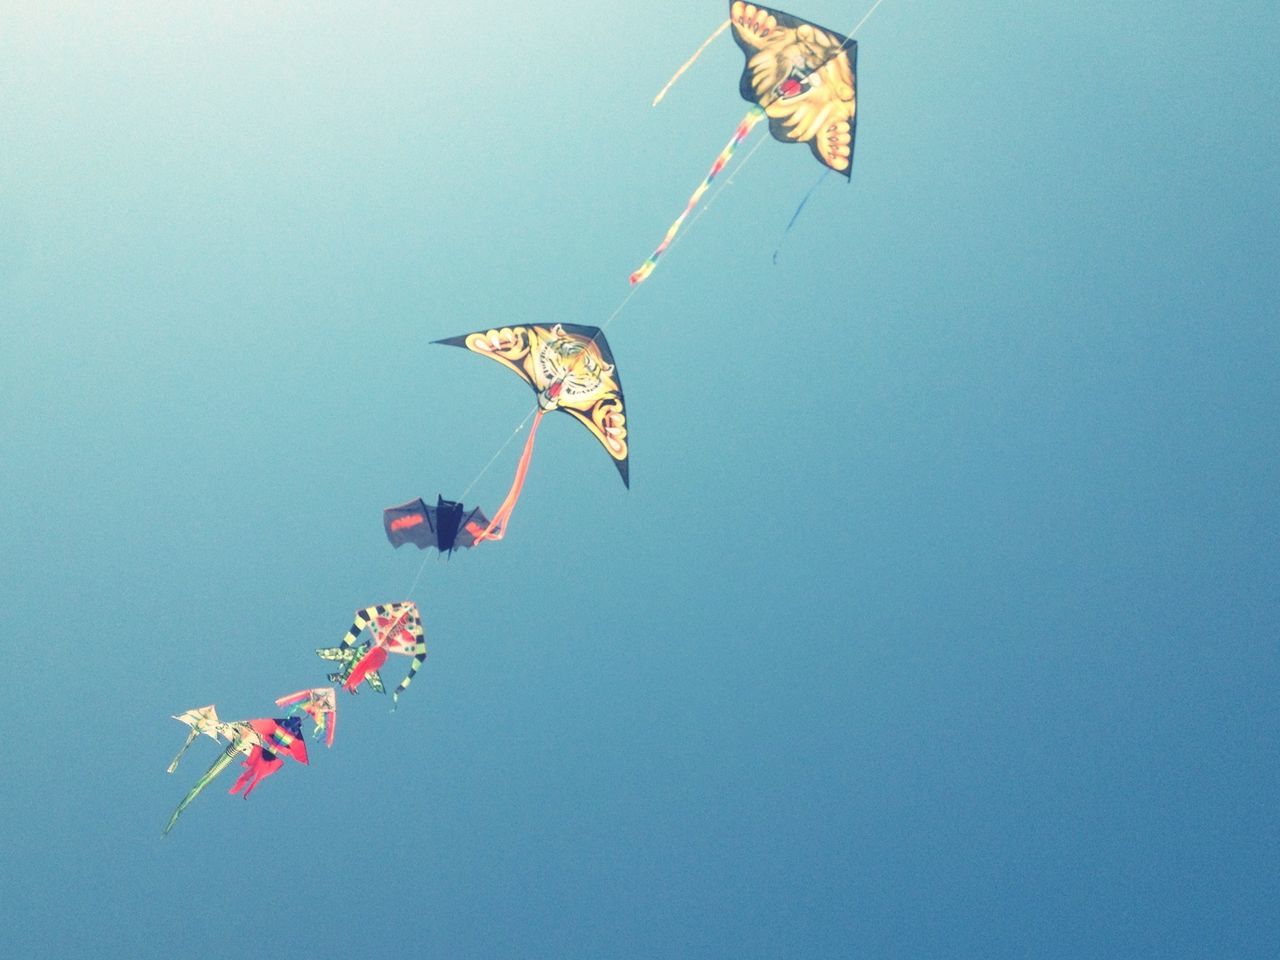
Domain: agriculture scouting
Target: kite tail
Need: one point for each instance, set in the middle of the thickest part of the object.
(748, 122)
(219, 765)
(246, 777)
(293, 698)
(371, 661)
(363, 619)
(796, 216)
(498, 525)
(260, 765)
(689, 63)
(419, 658)
(190, 739)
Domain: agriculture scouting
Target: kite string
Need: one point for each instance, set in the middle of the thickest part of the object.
(796, 216)
(617, 312)
(622, 305)
(865, 17)
(413, 585)
(506, 443)
(650, 264)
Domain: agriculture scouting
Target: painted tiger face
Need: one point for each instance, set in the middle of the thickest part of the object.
(570, 371)
(796, 64)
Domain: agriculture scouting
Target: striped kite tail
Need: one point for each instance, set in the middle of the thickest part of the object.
(419, 652)
(219, 765)
(748, 122)
(363, 619)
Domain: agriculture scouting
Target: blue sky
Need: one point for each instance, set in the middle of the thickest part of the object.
(940, 619)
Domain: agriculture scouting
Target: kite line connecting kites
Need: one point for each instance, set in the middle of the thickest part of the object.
(798, 76)
(808, 57)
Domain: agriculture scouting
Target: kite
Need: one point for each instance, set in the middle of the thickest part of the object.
(393, 628)
(277, 739)
(320, 704)
(261, 741)
(570, 368)
(242, 739)
(446, 526)
(200, 720)
(801, 76)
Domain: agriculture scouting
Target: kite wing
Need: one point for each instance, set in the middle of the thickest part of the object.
(446, 526)
(200, 720)
(570, 367)
(803, 76)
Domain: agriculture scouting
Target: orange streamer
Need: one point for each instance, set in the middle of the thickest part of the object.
(497, 528)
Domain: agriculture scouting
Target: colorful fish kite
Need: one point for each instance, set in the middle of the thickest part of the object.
(276, 739)
(446, 526)
(320, 704)
(393, 628)
(570, 368)
(801, 76)
(201, 720)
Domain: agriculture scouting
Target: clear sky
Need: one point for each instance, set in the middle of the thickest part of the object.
(941, 617)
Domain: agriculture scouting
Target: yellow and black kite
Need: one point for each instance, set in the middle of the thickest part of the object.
(801, 76)
(571, 369)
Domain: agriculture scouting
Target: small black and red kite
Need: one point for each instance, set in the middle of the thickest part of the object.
(447, 526)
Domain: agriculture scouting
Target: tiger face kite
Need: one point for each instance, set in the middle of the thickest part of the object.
(570, 368)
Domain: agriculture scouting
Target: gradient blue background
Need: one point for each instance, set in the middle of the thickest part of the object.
(940, 619)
